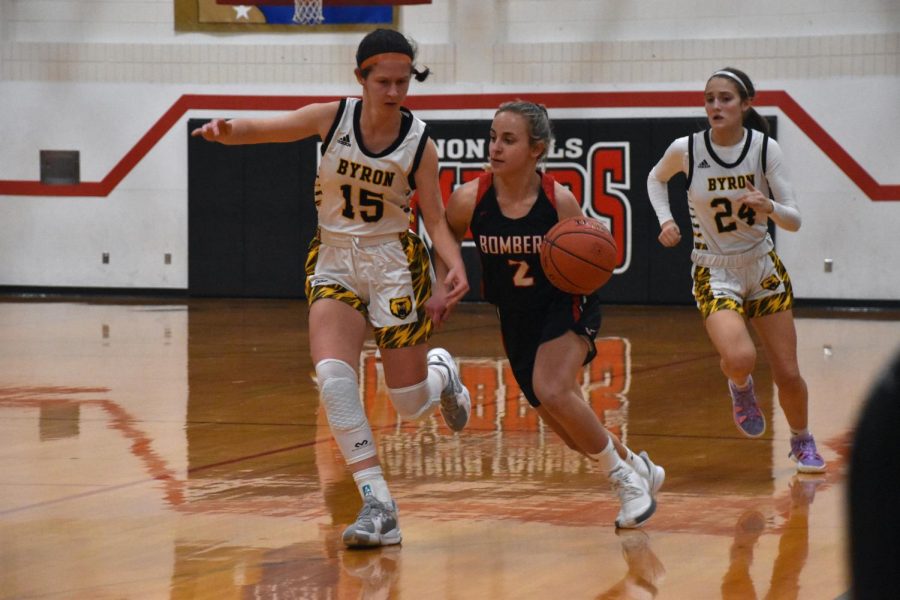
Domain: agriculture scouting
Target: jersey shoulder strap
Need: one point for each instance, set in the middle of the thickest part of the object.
(485, 181)
(549, 186)
(423, 142)
(690, 172)
(337, 119)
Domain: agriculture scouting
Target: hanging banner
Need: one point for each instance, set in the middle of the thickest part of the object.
(262, 16)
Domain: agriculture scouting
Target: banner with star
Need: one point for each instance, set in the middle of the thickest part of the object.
(277, 15)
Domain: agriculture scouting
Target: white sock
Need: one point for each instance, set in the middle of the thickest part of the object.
(796, 432)
(438, 379)
(370, 482)
(608, 457)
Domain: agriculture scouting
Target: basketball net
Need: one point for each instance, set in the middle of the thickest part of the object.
(308, 12)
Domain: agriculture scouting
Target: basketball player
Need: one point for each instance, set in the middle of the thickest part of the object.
(365, 266)
(731, 170)
(548, 334)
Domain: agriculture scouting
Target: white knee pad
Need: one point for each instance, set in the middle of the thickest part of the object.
(339, 394)
(413, 402)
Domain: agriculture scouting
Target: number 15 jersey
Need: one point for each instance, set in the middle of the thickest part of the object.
(363, 193)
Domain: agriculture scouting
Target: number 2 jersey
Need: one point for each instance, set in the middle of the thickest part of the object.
(716, 177)
(364, 193)
(512, 277)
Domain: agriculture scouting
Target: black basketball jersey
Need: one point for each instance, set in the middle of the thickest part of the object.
(511, 274)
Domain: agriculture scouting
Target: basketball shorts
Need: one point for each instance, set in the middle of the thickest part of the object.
(524, 331)
(759, 288)
(387, 278)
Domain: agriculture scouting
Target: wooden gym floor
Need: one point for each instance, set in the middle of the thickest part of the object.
(174, 449)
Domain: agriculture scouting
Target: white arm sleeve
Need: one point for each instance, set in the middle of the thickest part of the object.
(674, 161)
(786, 214)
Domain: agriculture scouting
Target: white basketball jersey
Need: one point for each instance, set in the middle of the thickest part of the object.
(715, 180)
(359, 192)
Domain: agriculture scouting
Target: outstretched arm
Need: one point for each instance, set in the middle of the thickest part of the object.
(312, 119)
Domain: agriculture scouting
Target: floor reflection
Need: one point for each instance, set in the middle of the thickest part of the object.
(373, 573)
(793, 546)
(154, 450)
(645, 571)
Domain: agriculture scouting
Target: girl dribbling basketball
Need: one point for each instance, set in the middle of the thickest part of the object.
(548, 334)
(738, 277)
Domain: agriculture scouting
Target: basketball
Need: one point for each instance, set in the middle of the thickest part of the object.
(578, 255)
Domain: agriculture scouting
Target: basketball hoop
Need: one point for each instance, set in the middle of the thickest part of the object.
(308, 12)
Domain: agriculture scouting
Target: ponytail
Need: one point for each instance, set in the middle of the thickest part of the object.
(754, 120)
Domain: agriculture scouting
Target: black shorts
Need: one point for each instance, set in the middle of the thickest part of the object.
(524, 331)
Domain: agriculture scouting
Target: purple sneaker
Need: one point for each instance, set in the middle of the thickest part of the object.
(804, 453)
(745, 410)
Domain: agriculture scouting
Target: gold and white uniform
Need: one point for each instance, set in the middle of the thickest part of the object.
(735, 265)
(364, 193)
(364, 253)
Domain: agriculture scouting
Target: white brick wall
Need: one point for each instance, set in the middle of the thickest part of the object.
(94, 75)
(564, 41)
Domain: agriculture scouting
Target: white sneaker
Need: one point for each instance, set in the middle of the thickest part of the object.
(638, 504)
(455, 402)
(653, 474)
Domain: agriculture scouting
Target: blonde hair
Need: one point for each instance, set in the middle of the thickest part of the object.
(537, 120)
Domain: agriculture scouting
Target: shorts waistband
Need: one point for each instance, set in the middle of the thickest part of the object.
(731, 261)
(344, 240)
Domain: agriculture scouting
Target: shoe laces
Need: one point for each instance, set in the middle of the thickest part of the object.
(365, 513)
(806, 449)
(624, 486)
(371, 507)
(749, 408)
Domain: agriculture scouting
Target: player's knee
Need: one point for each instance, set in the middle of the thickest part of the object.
(789, 379)
(339, 395)
(413, 402)
(739, 359)
(551, 391)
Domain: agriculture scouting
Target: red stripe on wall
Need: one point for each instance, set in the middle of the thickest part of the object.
(779, 99)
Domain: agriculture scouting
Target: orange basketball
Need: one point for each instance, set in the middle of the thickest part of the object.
(578, 255)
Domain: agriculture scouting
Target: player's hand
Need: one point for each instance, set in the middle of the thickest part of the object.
(756, 200)
(213, 131)
(670, 236)
(437, 309)
(456, 285)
